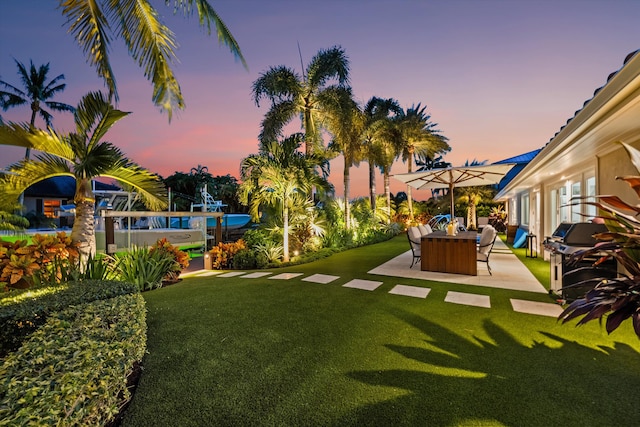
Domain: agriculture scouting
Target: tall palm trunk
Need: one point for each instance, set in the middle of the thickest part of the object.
(285, 230)
(83, 232)
(347, 206)
(409, 197)
(372, 186)
(35, 107)
(387, 194)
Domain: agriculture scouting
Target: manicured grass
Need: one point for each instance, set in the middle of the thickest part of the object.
(288, 352)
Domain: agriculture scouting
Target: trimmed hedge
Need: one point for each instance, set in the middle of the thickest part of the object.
(74, 369)
(23, 313)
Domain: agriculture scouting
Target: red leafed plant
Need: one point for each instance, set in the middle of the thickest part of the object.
(617, 299)
(48, 258)
(180, 258)
(222, 255)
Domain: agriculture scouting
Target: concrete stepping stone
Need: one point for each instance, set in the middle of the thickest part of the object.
(255, 275)
(410, 291)
(231, 274)
(535, 307)
(367, 285)
(285, 276)
(208, 273)
(468, 299)
(320, 278)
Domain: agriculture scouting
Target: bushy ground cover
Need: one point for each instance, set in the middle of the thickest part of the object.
(76, 350)
(234, 351)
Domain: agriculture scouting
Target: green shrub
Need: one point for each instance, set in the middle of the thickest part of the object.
(143, 267)
(73, 371)
(22, 312)
(245, 259)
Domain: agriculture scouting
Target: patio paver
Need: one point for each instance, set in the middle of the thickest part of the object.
(468, 299)
(367, 285)
(410, 291)
(320, 278)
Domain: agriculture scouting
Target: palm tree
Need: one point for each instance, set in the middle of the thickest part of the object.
(151, 44)
(294, 95)
(37, 93)
(346, 123)
(473, 195)
(419, 138)
(278, 174)
(386, 152)
(378, 113)
(84, 155)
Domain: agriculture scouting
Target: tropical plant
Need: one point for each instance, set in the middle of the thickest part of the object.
(151, 44)
(346, 123)
(222, 254)
(378, 114)
(50, 259)
(180, 258)
(37, 94)
(275, 175)
(84, 155)
(616, 298)
(144, 268)
(10, 221)
(473, 195)
(420, 138)
(303, 95)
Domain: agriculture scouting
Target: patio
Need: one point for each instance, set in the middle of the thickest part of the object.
(508, 272)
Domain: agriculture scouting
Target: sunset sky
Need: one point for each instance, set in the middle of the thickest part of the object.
(500, 78)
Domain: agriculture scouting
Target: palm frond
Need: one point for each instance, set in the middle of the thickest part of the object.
(28, 172)
(328, 64)
(152, 45)
(90, 27)
(277, 84)
(207, 16)
(148, 185)
(95, 113)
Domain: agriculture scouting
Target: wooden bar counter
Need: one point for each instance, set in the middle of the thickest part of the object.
(449, 254)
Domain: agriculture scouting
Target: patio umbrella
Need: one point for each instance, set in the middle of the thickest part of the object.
(451, 177)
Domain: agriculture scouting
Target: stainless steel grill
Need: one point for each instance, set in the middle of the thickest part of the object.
(566, 240)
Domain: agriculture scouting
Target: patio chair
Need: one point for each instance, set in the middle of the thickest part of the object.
(424, 229)
(413, 234)
(487, 239)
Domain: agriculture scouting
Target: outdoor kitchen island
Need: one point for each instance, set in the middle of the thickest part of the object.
(449, 254)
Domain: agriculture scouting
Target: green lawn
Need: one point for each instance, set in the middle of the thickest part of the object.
(287, 352)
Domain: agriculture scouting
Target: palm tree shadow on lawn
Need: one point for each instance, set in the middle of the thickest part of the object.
(503, 382)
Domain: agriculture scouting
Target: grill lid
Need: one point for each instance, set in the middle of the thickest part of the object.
(578, 234)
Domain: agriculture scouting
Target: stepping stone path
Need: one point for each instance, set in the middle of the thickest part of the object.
(476, 300)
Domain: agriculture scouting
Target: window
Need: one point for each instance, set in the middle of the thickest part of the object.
(524, 209)
(50, 208)
(591, 210)
(563, 200)
(576, 205)
(553, 205)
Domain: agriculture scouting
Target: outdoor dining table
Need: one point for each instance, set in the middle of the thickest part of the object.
(449, 254)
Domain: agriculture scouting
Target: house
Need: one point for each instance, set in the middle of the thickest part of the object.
(582, 159)
(48, 199)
